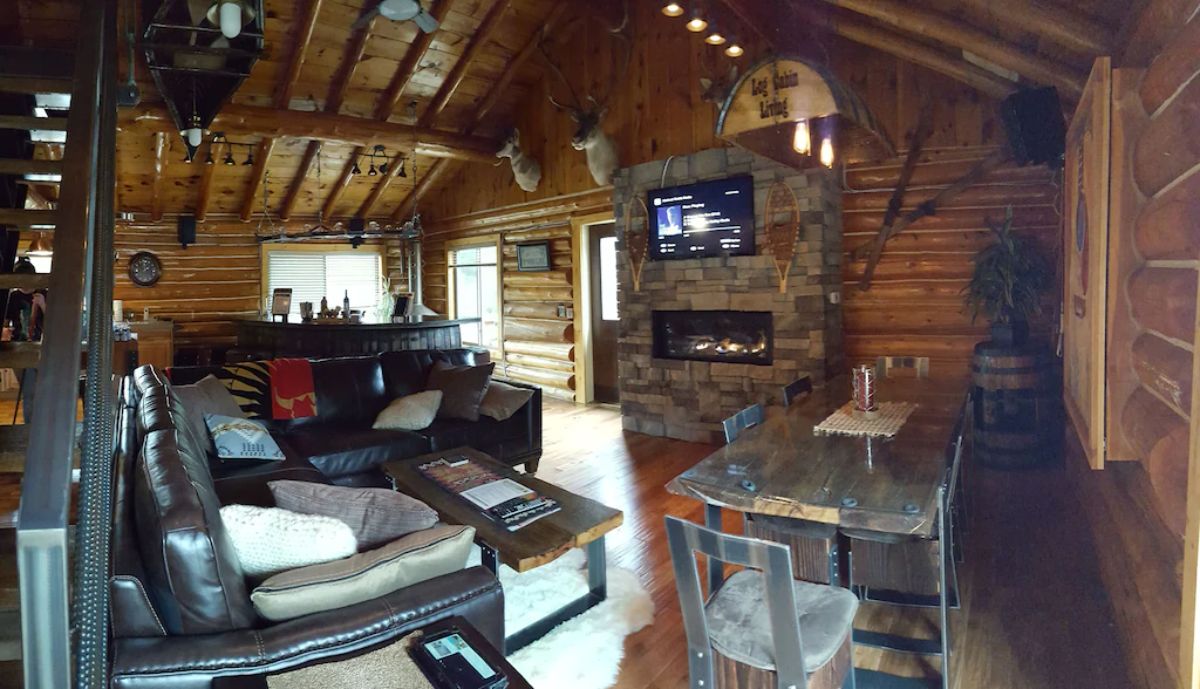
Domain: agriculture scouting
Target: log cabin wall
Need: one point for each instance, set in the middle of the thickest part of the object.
(659, 111)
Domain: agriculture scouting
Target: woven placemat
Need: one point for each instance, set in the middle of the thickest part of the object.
(884, 421)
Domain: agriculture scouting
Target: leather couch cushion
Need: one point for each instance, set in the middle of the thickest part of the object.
(193, 575)
(445, 434)
(350, 393)
(206, 396)
(245, 482)
(340, 451)
(416, 557)
(405, 372)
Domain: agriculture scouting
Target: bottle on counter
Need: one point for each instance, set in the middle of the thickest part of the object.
(324, 307)
(346, 305)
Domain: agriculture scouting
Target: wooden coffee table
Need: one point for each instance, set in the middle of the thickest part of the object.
(581, 523)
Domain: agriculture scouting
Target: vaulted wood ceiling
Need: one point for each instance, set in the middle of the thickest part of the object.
(353, 88)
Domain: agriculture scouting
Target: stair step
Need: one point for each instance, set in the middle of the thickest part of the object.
(20, 354)
(36, 62)
(28, 122)
(17, 166)
(27, 217)
(32, 85)
(14, 441)
(29, 281)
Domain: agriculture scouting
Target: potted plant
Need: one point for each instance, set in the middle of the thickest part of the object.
(1006, 287)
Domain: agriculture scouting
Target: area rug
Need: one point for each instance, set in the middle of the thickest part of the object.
(584, 652)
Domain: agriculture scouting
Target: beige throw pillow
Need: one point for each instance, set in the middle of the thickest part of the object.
(412, 559)
(410, 413)
(502, 400)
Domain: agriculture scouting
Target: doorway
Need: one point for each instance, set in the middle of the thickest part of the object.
(604, 310)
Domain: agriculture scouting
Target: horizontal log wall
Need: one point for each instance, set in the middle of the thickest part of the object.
(914, 306)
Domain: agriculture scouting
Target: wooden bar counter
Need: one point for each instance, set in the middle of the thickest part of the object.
(272, 340)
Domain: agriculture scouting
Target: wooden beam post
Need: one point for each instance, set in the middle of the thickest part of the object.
(951, 32)
(1189, 638)
(262, 158)
(302, 173)
(890, 42)
(491, 21)
(160, 157)
(1063, 27)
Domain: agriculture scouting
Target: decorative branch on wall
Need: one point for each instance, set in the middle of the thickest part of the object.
(636, 239)
(782, 217)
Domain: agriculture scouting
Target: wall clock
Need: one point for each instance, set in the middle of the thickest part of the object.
(144, 269)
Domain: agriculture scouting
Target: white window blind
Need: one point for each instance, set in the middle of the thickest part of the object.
(312, 275)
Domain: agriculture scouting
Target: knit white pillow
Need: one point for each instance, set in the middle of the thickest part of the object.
(269, 540)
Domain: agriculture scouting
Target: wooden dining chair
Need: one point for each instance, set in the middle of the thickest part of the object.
(907, 570)
(747, 418)
(813, 544)
(902, 367)
(760, 628)
(797, 389)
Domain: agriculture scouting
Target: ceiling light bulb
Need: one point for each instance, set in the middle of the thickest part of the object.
(354, 170)
(249, 159)
(734, 49)
(231, 19)
(672, 9)
(827, 152)
(371, 172)
(194, 136)
(229, 158)
(697, 23)
(801, 139)
(715, 37)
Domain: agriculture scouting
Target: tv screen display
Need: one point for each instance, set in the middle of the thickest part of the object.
(705, 219)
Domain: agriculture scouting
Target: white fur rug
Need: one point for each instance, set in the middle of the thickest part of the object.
(584, 652)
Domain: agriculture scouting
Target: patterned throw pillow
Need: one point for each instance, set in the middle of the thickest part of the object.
(269, 540)
(293, 393)
(375, 515)
(250, 385)
(241, 438)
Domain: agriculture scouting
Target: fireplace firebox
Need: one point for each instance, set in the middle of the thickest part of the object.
(735, 337)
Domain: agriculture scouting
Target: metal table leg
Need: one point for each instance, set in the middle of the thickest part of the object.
(597, 593)
(716, 571)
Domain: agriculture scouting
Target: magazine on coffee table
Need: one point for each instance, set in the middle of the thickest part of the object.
(502, 499)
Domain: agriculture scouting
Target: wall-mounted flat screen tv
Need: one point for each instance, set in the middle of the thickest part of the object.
(705, 219)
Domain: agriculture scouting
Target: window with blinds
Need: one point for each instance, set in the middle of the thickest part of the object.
(313, 275)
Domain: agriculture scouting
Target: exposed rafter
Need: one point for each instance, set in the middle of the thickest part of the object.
(487, 27)
(252, 120)
(499, 88)
(160, 158)
(282, 100)
(783, 17)
(951, 32)
(1063, 27)
(302, 173)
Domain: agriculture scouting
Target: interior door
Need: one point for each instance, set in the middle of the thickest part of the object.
(605, 312)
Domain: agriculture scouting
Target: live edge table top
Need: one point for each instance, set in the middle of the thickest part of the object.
(579, 522)
(783, 468)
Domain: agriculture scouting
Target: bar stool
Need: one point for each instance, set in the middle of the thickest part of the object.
(760, 627)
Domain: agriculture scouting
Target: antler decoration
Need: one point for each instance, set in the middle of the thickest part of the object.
(783, 229)
(636, 238)
(619, 33)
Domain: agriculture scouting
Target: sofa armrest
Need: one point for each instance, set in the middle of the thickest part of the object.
(245, 482)
(534, 415)
(192, 662)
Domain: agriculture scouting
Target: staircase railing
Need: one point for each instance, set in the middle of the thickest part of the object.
(85, 224)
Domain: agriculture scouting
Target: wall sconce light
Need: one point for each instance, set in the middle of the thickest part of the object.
(802, 138)
(827, 152)
(672, 9)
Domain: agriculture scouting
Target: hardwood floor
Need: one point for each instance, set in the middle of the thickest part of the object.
(1035, 614)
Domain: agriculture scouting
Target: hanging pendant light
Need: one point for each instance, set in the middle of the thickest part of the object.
(355, 170)
(714, 37)
(734, 49)
(672, 9)
(231, 16)
(802, 138)
(696, 23)
(249, 156)
(827, 152)
(371, 172)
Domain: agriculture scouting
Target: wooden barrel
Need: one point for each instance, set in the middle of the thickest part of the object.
(1015, 405)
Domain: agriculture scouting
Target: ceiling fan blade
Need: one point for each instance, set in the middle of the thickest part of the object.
(365, 19)
(425, 22)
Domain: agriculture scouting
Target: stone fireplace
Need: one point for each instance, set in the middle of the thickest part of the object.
(706, 337)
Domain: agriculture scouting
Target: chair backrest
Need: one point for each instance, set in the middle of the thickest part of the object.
(902, 366)
(796, 389)
(747, 418)
(774, 560)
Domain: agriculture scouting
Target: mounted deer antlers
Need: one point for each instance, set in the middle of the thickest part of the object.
(526, 170)
(600, 147)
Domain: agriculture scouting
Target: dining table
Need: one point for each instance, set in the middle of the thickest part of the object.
(787, 467)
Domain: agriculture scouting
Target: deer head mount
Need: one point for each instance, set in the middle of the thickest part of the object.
(588, 112)
(525, 169)
(716, 89)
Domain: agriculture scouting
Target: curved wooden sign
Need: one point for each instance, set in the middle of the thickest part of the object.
(763, 107)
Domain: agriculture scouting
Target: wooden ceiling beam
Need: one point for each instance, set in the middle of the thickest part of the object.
(1064, 28)
(755, 14)
(160, 159)
(258, 173)
(252, 120)
(499, 89)
(293, 192)
(479, 40)
(951, 32)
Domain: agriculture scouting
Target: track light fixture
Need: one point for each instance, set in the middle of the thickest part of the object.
(354, 170)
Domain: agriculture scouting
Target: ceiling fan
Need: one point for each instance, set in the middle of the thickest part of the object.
(399, 11)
